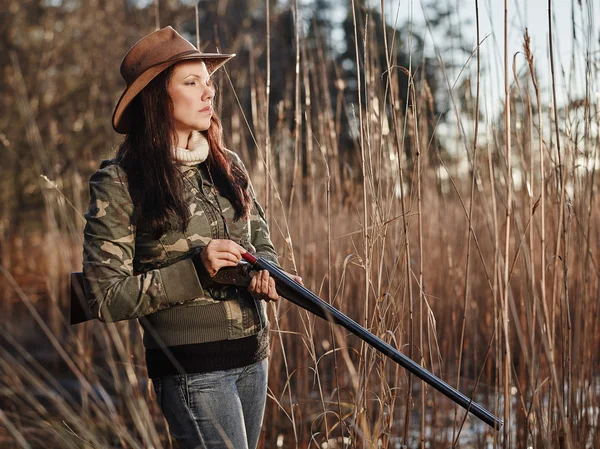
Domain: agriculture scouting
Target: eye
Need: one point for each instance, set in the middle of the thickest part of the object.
(190, 83)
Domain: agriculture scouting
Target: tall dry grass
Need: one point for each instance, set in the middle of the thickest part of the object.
(486, 275)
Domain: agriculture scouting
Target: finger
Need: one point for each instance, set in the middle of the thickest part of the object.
(264, 281)
(240, 248)
(215, 249)
(223, 264)
(227, 247)
(216, 264)
(258, 277)
(298, 279)
(273, 295)
(252, 286)
(230, 258)
(235, 249)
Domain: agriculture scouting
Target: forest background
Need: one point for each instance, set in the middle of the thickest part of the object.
(430, 176)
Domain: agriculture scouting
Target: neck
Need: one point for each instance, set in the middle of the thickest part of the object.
(182, 138)
(195, 151)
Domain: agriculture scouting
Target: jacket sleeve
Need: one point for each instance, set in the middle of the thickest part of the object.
(260, 237)
(259, 231)
(114, 292)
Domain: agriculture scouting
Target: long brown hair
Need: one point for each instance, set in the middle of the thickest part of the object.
(155, 182)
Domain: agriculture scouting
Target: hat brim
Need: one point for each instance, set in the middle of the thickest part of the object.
(121, 119)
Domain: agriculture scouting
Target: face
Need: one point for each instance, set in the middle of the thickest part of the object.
(192, 93)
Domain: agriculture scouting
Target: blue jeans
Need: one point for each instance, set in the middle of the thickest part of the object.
(216, 410)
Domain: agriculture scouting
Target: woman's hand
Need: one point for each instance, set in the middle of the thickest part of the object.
(262, 285)
(221, 253)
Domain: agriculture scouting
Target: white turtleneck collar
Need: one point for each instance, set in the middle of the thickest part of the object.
(196, 151)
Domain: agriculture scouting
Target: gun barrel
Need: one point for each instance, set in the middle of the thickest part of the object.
(306, 299)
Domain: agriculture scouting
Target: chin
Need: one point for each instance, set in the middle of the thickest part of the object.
(202, 126)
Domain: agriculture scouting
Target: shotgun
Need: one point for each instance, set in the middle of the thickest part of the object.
(306, 299)
(302, 297)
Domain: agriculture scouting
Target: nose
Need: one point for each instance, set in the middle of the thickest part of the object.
(208, 93)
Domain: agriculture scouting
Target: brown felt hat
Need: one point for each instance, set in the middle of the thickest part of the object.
(147, 58)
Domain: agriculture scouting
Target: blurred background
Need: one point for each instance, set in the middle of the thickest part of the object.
(428, 167)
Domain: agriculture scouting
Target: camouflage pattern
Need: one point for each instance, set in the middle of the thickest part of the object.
(130, 274)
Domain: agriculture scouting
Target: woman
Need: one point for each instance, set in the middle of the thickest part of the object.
(172, 209)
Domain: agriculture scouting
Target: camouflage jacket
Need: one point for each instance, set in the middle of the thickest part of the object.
(130, 274)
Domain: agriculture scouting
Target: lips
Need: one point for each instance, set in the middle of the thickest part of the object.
(206, 109)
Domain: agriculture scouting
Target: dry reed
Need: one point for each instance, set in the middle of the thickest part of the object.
(490, 283)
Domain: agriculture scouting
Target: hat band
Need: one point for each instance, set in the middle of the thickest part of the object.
(183, 54)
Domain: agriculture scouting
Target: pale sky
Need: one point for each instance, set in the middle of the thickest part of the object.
(530, 14)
